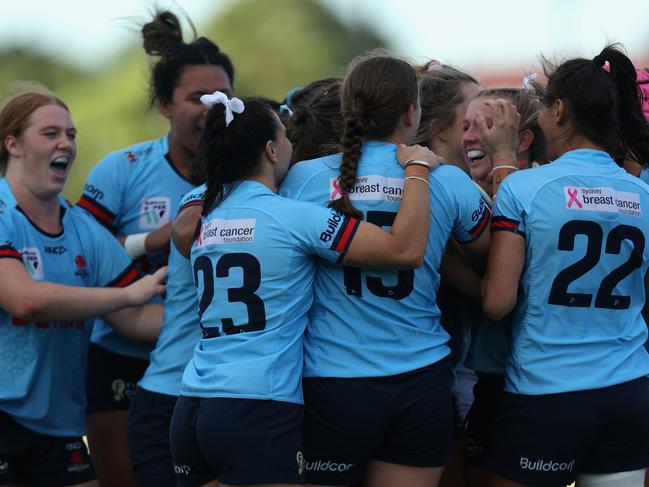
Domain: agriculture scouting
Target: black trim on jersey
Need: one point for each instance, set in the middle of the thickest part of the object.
(345, 236)
(482, 224)
(99, 212)
(128, 276)
(9, 252)
(189, 204)
(504, 224)
(173, 166)
(40, 230)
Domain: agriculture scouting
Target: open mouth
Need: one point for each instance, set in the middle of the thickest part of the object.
(60, 164)
(475, 155)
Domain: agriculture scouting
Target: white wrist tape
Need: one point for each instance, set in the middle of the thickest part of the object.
(134, 245)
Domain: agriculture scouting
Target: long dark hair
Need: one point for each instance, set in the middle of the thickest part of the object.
(604, 100)
(315, 127)
(163, 37)
(376, 91)
(230, 153)
(440, 88)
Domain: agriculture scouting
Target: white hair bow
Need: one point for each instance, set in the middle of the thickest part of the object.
(527, 81)
(232, 106)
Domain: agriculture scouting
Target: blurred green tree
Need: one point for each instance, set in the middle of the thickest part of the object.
(275, 46)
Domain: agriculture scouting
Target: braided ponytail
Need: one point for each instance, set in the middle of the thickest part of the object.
(377, 91)
(352, 142)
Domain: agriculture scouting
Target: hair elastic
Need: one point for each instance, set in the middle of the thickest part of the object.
(232, 106)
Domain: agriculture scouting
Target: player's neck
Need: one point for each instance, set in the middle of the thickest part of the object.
(44, 212)
(182, 160)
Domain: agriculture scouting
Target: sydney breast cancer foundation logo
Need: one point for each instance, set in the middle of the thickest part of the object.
(369, 188)
(607, 200)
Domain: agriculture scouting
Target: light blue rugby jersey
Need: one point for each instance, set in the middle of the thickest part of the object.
(180, 329)
(43, 365)
(253, 265)
(490, 343)
(644, 175)
(577, 324)
(133, 190)
(371, 322)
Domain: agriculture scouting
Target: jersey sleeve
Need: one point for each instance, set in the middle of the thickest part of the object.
(103, 192)
(112, 265)
(473, 214)
(192, 198)
(8, 244)
(322, 231)
(508, 210)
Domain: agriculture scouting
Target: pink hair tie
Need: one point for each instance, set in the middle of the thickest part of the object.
(606, 67)
(434, 65)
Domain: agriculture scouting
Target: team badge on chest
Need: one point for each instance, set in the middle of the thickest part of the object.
(33, 262)
(154, 212)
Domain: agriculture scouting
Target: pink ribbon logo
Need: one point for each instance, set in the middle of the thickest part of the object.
(573, 198)
(337, 191)
(200, 235)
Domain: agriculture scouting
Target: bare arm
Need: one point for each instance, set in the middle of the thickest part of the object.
(31, 300)
(405, 245)
(141, 323)
(184, 228)
(504, 269)
(501, 139)
(477, 250)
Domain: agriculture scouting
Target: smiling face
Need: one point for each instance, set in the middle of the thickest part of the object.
(185, 111)
(455, 131)
(41, 156)
(476, 158)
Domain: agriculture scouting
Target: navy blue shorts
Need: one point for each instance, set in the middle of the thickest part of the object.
(111, 379)
(478, 434)
(405, 419)
(30, 458)
(149, 418)
(236, 441)
(547, 440)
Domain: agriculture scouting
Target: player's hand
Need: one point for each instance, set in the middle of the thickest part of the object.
(500, 140)
(149, 286)
(407, 153)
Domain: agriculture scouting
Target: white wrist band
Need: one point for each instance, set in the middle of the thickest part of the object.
(503, 167)
(134, 245)
(416, 162)
(418, 179)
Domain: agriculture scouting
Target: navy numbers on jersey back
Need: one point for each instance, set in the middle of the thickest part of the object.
(352, 276)
(245, 294)
(559, 294)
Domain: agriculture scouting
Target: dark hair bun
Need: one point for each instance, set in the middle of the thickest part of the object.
(162, 33)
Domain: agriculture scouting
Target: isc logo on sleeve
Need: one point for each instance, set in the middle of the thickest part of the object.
(219, 231)
(602, 199)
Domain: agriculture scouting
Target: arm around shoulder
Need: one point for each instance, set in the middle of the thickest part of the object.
(405, 245)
